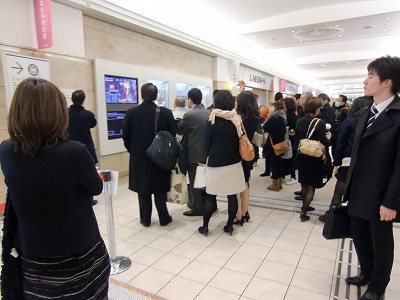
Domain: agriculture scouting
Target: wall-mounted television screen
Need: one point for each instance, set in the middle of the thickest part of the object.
(121, 90)
(115, 123)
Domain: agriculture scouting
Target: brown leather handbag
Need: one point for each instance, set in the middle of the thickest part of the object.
(280, 148)
(246, 148)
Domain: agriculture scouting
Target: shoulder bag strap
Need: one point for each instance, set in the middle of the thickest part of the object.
(156, 122)
(309, 134)
(243, 129)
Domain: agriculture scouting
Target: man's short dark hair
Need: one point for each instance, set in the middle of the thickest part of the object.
(196, 95)
(78, 97)
(344, 98)
(324, 97)
(297, 96)
(387, 67)
(278, 96)
(215, 92)
(149, 92)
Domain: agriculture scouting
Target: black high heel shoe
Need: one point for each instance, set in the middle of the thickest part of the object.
(239, 222)
(246, 216)
(228, 229)
(203, 230)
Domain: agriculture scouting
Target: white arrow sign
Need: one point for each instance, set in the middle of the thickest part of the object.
(18, 67)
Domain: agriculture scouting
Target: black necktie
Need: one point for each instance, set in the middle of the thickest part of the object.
(372, 115)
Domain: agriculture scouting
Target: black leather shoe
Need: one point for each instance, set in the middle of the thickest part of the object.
(310, 208)
(192, 213)
(372, 296)
(297, 193)
(304, 217)
(169, 221)
(300, 198)
(264, 174)
(145, 224)
(358, 280)
(323, 217)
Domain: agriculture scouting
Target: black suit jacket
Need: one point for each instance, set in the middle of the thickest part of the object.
(51, 194)
(138, 133)
(374, 174)
(80, 123)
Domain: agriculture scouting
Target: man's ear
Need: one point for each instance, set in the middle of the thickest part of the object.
(388, 83)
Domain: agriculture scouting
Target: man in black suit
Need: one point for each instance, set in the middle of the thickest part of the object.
(193, 128)
(373, 181)
(145, 177)
(80, 123)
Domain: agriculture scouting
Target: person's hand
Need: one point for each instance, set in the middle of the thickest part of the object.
(328, 135)
(335, 170)
(242, 85)
(387, 214)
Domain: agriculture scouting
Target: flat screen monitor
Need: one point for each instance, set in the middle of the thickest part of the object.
(120, 90)
(115, 123)
(162, 97)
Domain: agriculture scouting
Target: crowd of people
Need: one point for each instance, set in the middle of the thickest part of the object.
(49, 220)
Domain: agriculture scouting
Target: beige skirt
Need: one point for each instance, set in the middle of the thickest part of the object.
(226, 180)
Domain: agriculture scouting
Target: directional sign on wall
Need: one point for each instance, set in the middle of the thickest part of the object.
(17, 68)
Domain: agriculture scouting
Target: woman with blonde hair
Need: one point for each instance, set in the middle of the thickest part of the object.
(51, 181)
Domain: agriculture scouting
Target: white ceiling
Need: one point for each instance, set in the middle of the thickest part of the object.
(325, 44)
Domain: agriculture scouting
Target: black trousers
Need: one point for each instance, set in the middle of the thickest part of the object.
(197, 195)
(374, 244)
(145, 207)
(276, 167)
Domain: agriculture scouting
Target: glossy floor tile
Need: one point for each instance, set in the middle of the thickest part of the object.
(273, 256)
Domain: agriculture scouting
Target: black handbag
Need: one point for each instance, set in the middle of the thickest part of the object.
(337, 223)
(11, 271)
(164, 149)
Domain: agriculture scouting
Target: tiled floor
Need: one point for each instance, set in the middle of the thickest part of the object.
(274, 256)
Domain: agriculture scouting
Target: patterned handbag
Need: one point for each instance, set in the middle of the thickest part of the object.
(311, 147)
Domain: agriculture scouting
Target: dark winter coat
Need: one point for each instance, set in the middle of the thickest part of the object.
(138, 132)
(374, 174)
(80, 123)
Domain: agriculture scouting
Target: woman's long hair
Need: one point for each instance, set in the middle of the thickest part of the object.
(247, 105)
(38, 117)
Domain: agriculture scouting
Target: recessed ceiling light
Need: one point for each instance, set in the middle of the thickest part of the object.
(293, 31)
(339, 36)
(336, 26)
(388, 18)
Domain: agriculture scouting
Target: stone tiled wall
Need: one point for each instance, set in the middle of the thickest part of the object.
(107, 41)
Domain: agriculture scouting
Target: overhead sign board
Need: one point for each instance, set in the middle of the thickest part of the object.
(17, 68)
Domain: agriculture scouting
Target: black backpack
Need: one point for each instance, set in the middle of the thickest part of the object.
(164, 149)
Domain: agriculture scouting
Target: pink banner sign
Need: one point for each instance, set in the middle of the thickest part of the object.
(43, 23)
(282, 85)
